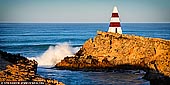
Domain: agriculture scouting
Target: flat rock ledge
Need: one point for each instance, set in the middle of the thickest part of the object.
(15, 68)
(110, 51)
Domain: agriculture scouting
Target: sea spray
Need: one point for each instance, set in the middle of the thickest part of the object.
(55, 54)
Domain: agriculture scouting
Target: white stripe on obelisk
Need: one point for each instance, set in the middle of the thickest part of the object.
(114, 19)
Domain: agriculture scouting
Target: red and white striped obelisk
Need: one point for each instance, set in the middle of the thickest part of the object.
(115, 22)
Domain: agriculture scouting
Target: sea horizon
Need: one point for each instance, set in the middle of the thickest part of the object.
(77, 22)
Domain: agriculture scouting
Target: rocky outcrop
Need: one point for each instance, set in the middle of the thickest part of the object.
(112, 50)
(18, 68)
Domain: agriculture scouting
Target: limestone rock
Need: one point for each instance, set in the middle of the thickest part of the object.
(132, 50)
(19, 68)
(111, 50)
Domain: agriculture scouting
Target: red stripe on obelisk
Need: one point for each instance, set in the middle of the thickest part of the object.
(115, 15)
(114, 24)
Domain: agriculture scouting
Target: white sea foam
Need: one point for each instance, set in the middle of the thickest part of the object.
(55, 54)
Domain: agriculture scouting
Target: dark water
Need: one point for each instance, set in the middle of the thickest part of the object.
(94, 78)
(33, 39)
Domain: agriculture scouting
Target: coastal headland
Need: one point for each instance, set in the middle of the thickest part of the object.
(109, 51)
(16, 69)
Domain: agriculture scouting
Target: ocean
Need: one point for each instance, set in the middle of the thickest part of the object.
(48, 43)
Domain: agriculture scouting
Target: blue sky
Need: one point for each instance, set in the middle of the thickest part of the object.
(83, 10)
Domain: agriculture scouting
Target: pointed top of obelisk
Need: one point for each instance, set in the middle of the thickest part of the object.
(115, 10)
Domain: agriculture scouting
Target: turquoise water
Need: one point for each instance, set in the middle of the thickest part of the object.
(33, 39)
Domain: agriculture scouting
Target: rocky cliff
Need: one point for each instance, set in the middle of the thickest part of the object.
(17, 68)
(112, 50)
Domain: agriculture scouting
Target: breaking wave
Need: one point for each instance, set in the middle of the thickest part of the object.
(55, 54)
